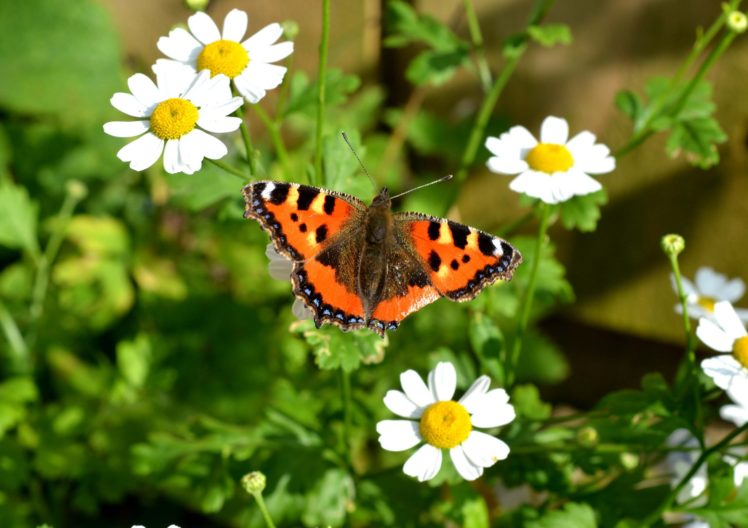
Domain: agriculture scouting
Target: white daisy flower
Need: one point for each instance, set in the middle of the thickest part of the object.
(247, 63)
(708, 288)
(175, 116)
(440, 422)
(553, 169)
(736, 412)
(280, 268)
(678, 463)
(726, 334)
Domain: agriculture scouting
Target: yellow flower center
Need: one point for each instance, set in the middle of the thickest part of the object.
(223, 56)
(707, 303)
(445, 424)
(740, 350)
(173, 118)
(549, 158)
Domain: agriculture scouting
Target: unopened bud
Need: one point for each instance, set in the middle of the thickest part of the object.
(76, 189)
(737, 21)
(587, 436)
(197, 5)
(629, 461)
(290, 29)
(254, 483)
(673, 245)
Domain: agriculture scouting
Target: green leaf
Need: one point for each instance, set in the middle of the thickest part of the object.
(341, 168)
(549, 35)
(328, 501)
(630, 104)
(407, 26)
(18, 216)
(551, 284)
(582, 212)
(48, 63)
(725, 509)
(541, 360)
(209, 185)
(436, 66)
(475, 513)
(335, 349)
(488, 343)
(527, 403)
(697, 139)
(303, 95)
(134, 359)
(573, 515)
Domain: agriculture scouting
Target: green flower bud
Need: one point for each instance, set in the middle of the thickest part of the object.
(254, 482)
(737, 21)
(629, 461)
(76, 189)
(197, 5)
(587, 436)
(290, 29)
(673, 244)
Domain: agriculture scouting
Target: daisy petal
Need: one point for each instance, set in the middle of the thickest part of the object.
(708, 281)
(506, 165)
(172, 163)
(728, 319)
(443, 381)
(492, 410)
(726, 372)
(732, 290)
(521, 138)
(398, 403)
(424, 464)
(473, 395)
(190, 151)
(180, 45)
(688, 286)
(267, 76)
(272, 53)
(596, 165)
(263, 38)
(144, 90)
(248, 89)
(554, 130)
(734, 413)
(580, 143)
(300, 311)
(218, 125)
(212, 147)
(415, 389)
(484, 450)
(128, 104)
(463, 465)
(713, 336)
(143, 152)
(580, 183)
(203, 28)
(235, 25)
(398, 435)
(126, 128)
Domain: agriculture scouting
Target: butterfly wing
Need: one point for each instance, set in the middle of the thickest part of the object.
(460, 260)
(314, 228)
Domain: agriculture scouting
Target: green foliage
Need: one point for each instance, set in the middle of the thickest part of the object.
(572, 515)
(18, 216)
(549, 35)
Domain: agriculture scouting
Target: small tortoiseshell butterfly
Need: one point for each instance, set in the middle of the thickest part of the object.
(366, 267)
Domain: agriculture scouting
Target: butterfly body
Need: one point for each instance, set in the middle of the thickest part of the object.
(358, 266)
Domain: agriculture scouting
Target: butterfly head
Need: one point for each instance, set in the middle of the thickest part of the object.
(382, 200)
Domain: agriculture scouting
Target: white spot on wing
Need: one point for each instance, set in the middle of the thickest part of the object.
(267, 190)
(497, 245)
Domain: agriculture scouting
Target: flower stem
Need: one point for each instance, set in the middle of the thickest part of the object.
(263, 509)
(20, 360)
(275, 136)
(247, 139)
(526, 303)
(484, 72)
(228, 168)
(654, 517)
(690, 341)
(321, 81)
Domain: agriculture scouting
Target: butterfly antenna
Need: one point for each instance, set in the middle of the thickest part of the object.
(347, 142)
(442, 179)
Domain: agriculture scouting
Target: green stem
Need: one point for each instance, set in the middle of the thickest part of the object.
(21, 359)
(657, 514)
(275, 136)
(345, 386)
(484, 72)
(228, 168)
(247, 139)
(321, 81)
(264, 510)
(690, 341)
(527, 298)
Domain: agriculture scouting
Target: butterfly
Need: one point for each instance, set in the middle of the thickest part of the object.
(358, 266)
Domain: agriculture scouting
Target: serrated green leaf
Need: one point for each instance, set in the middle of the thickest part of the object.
(18, 216)
(697, 139)
(303, 95)
(527, 403)
(341, 168)
(572, 515)
(209, 185)
(334, 349)
(487, 342)
(548, 35)
(582, 212)
(406, 26)
(436, 66)
(630, 104)
(327, 502)
(551, 284)
(134, 359)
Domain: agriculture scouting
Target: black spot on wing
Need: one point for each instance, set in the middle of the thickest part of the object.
(329, 205)
(485, 244)
(294, 217)
(279, 193)
(459, 234)
(434, 229)
(435, 261)
(454, 264)
(302, 227)
(306, 196)
(465, 259)
(507, 253)
(321, 233)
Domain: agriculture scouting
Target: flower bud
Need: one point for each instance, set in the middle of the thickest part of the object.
(737, 21)
(76, 189)
(197, 5)
(629, 461)
(290, 29)
(254, 482)
(587, 436)
(673, 245)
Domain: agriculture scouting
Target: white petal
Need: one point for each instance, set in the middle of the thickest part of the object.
(398, 435)
(492, 410)
(398, 403)
(191, 152)
(740, 472)
(688, 287)
(713, 336)
(728, 319)
(731, 290)
(235, 25)
(474, 394)
(734, 413)
(144, 90)
(248, 89)
(212, 147)
(484, 450)
(415, 389)
(579, 183)
(129, 104)
(506, 165)
(126, 128)
(739, 397)
(180, 45)
(172, 163)
(424, 464)
(263, 38)
(520, 138)
(203, 27)
(708, 281)
(726, 372)
(222, 109)
(173, 78)
(280, 270)
(218, 125)
(443, 381)
(596, 165)
(267, 76)
(535, 184)
(463, 465)
(271, 53)
(554, 130)
(580, 143)
(143, 152)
